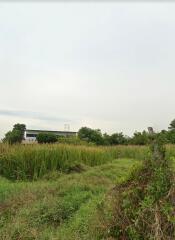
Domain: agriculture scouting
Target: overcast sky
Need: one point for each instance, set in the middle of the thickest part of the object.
(102, 65)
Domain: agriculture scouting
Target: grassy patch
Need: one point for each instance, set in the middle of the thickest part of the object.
(63, 208)
(69, 193)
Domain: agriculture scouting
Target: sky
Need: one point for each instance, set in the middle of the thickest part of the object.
(107, 65)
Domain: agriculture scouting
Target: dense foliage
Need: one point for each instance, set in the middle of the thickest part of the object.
(68, 206)
(16, 135)
(172, 125)
(33, 161)
(139, 138)
(142, 206)
(91, 135)
(46, 138)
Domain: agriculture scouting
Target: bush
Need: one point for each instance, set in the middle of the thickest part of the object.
(118, 138)
(13, 137)
(46, 138)
(140, 138)
(91, 135)
(141, 206)
(16, 135)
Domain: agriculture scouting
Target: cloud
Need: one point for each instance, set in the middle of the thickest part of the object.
(32, 115)
(104, 65)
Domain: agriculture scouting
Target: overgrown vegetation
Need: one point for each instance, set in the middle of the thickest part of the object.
(68, 192)
(16, 135)
(58, 206)
(34, 161)
(142, 207)
(139, 138)
(46, 138)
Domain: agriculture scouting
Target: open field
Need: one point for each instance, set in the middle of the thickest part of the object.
(55, 191)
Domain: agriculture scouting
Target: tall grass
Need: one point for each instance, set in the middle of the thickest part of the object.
(33, 161)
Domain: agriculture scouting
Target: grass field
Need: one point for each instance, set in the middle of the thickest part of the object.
(54, 191)
(25, 162)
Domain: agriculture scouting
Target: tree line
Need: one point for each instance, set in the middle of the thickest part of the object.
(139, 138)
(94, 136)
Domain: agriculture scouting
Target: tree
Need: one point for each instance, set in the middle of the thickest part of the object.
(91, 135)
(171, 132)
(172, 125)
(117, 138)
(46, 138)
(140, 138)
(171, 136)
(12, 137)
(106, 139)
(20, 127)
(16, 135)
(163, 136)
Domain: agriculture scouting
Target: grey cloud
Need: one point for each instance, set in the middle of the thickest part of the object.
(105, 65)
(32, 115)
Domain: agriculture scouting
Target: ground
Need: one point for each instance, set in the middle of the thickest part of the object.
(59, 206)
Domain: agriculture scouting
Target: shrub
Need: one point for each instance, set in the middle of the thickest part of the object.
(142, 206)
(13, 137)
(91, 135)
(16, 135)
(140, 138)
(46, 138)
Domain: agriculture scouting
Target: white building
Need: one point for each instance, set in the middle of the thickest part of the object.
(30, 135)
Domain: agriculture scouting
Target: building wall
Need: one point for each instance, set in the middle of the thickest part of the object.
(30, 135)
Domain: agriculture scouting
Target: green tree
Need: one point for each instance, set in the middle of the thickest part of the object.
(163, 136)
(46, 138)
(171, 136)
(118, 138)
(91, 135)
(106, 139)
(21, 127)
(172, 125)
(171, 132)
(16, 135)
(140, 138)
(13, 137)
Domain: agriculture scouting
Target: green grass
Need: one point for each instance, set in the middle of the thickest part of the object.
(62, 208)
(53, 191)
(173, 163)
(33, 161)
(142, 206)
